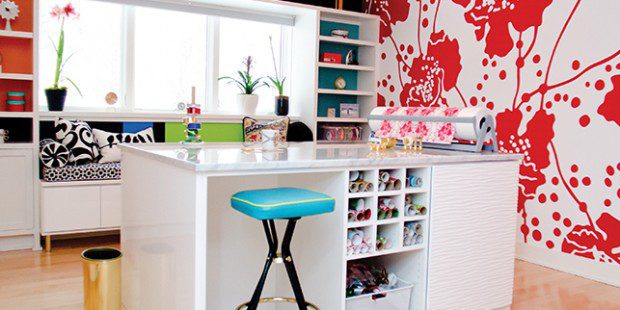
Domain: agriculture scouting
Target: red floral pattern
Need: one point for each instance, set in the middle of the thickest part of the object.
(496, 15)
(610, 108)
(603, 245)
(433, 73)
(423, 62)
(534, 144)
(390, 11)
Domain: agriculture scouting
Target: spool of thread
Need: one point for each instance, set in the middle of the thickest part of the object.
(354, 176)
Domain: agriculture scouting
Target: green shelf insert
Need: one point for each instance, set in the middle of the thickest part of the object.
(210, 132)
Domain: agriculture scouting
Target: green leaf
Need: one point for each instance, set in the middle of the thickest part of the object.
(75, 85)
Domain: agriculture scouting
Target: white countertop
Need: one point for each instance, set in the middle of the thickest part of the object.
(221, 157)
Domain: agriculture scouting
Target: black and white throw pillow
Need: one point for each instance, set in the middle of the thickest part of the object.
(53, 154)
(78, 137)
(108, 142)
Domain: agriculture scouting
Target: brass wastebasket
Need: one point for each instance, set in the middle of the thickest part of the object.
(102, 279)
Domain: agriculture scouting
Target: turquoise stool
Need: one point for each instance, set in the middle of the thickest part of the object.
(272, 204)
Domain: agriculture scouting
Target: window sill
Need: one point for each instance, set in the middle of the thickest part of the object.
(112, 115)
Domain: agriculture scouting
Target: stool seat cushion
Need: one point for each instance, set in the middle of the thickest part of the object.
(281, 203)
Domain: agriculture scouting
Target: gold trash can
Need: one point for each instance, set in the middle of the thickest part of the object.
(102, 279)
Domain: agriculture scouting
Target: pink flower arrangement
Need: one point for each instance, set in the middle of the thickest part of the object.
(65, 12)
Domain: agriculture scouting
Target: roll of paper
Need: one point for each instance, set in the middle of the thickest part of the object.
(354, 176)
(354, 187)
(414, 181)
(384, 176)
(369, 187)
(464, 131)
(382, 186)
(357, 204)
(389, 186)
(397, 183)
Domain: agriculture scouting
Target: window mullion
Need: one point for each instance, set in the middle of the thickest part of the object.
(213, 68)
(128, 58)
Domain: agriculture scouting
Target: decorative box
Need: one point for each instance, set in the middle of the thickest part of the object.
(349, 110)
(331, 57)
(340, 133)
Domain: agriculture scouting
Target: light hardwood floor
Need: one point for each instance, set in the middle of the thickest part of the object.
(38, 280)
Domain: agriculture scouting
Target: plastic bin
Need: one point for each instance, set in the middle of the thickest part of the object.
(398, 298)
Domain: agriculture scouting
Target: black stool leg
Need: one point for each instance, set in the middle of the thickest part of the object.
(272, 240)
(290, 266)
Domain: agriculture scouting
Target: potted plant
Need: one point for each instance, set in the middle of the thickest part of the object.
(278, 82)
(57, 94)
(247, 100)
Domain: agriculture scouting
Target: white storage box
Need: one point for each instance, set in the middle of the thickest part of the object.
(398, 298)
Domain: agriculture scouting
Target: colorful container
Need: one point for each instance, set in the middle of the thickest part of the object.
(16, 105)
(17, 96)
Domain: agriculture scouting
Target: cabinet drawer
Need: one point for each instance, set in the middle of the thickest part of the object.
(66, 209)
(111, 206)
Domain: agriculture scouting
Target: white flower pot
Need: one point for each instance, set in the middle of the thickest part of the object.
(247, 103)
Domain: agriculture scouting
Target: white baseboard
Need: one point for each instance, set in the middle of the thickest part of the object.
(17, 243)
(583, 267)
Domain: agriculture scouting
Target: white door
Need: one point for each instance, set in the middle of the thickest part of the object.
(16, 183)
(472, 236)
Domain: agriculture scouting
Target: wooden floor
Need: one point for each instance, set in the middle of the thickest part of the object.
(38, 280)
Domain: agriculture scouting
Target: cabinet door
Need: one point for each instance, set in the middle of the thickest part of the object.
(70, 208)
(472, 236)
(16, 190)
(111, 206)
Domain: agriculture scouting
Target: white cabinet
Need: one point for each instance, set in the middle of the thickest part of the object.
(472, 244)
(75, 208)
(16, 191)
(83, 206)
(111, 206)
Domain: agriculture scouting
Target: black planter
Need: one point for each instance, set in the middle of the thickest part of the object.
(282, 105)
(56, 99)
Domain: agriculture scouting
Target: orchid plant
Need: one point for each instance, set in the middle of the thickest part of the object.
(62, 14)
(246, 84)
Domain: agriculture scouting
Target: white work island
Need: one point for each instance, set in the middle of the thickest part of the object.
(184, 247)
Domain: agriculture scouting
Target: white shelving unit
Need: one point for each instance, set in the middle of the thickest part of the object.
(364, 32)
(409, 263)
(345, 67)
(16, 34)
(16, 76)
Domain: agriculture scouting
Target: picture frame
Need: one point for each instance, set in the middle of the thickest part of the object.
(349, 110)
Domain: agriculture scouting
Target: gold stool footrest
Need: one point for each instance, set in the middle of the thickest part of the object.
(277, 299)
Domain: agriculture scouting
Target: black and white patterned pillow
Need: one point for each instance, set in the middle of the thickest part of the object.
(108, 142)
(53, 154)
(78, 137)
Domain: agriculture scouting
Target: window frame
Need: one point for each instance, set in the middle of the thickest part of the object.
(212, 106)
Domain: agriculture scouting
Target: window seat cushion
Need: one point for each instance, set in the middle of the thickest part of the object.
(88, 172)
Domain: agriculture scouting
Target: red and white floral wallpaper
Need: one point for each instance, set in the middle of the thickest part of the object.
(550, 71)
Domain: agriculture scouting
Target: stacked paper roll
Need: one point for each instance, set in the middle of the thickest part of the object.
(357, 242)
(387, 209)
(358, 211)
(464, 131)
(387, 182)
(413, 234)
(357, 184)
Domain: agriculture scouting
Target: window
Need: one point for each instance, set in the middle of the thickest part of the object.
(239, 39)
(151, 58)
(93, 49)
(168, 58)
